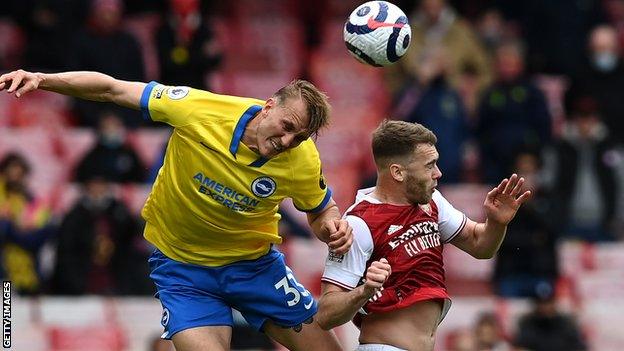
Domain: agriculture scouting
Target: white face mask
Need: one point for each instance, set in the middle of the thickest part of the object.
(605, 61)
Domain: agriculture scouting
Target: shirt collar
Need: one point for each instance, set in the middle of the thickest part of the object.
(249, 114)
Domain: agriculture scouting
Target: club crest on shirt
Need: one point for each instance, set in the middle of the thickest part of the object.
(177, 93)
(263, 187)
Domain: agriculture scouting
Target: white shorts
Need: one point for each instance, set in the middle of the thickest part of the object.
(378, 347)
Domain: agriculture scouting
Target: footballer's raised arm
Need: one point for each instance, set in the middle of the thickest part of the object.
(86, 85)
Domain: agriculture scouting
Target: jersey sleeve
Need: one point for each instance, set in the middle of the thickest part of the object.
(310, 192)
(172, 105)
(450, 220)
(347, 270)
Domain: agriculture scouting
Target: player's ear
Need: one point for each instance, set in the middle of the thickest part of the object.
(396, 171)
(271, 102)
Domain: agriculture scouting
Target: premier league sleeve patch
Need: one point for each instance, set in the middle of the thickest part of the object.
(177, 93)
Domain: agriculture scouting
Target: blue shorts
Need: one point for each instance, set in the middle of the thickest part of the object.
(261, 289)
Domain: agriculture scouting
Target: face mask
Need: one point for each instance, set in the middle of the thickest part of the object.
(112, 139)
(605, 61)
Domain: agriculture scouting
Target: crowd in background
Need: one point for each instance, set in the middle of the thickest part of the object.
(531, 87)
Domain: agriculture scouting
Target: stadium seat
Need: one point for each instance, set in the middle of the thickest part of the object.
(92, 338)
(134, 195)
(74, 143)
(40, 108)
(143, 27)
(149, 143)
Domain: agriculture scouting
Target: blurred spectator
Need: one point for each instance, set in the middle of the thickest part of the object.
(434, 25)
(100, 247)
(552, 30)
(602, 76)
(546, 328)
(112, 156)
(25, 225)
(614, 10)
(187, 49)
(512, 113)
(489, 334)
(492, 29)
(103, 46)
(461, 340)
(47, 25)
(527, 257)
(585, 175)
(440, 109)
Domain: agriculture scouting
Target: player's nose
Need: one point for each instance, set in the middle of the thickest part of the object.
(437, 174)
(287, 140)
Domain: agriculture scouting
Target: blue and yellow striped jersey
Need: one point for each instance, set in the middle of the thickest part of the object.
(215, 201)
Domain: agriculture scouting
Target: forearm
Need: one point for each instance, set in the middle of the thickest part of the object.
(338, 307)
(316, 223)
(85, 85)
(93, 86)
(488, 237)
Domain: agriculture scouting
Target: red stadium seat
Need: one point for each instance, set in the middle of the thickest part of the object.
(149, 143)
(92, 338)
(40, 108)
(74, 143)
(143, 27)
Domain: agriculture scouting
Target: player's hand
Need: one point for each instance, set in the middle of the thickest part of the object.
(340, 236)
(376, 275)
(502, 202)
(19, 82)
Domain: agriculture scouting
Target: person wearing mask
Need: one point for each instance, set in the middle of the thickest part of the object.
(602, 76)
(112, 156)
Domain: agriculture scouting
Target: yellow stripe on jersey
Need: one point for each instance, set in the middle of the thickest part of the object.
(215, 201)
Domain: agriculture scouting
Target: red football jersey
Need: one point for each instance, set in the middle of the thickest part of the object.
(410, 237)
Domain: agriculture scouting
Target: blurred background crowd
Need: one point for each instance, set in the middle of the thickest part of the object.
(533, 87)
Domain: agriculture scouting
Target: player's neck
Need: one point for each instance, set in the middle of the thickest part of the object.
(387, 194)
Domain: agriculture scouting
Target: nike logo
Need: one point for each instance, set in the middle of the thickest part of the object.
(308, 305)
(208, 147)
(373, 24)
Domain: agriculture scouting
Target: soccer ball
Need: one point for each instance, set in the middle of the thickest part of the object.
(377, 33)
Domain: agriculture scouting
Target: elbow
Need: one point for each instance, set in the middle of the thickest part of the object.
(483, 254)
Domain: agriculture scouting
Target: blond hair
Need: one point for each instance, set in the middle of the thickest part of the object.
(317, 104)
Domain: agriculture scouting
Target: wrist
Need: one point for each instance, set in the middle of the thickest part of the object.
(41, 79)
(368, 292)
(495, 225)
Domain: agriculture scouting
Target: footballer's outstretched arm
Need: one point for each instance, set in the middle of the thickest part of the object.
(81, 84)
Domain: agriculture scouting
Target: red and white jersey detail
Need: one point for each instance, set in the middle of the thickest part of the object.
(410, 237)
